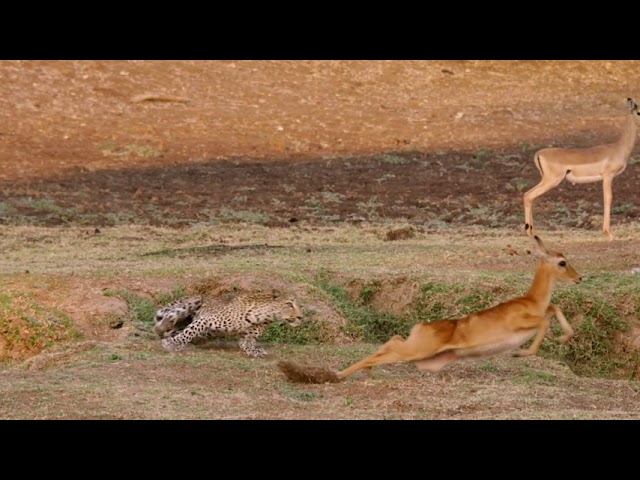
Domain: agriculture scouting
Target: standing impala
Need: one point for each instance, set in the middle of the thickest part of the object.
(585, 165)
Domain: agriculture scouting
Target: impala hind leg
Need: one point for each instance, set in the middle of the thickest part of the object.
(437, 362)
(608, 196)
(544, 186)
(424, 341)
(390, 352)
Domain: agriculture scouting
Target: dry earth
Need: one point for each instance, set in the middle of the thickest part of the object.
(438, 145)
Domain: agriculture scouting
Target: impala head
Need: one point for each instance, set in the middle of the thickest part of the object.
(557, 261)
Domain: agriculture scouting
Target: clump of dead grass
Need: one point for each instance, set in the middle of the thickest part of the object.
(298, 373)
(402, 233)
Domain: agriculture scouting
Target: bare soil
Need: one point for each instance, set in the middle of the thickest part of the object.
(180, 142)
(431, 144)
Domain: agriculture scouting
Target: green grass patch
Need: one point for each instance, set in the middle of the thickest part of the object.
(142, 310)
(27, 328)
(530, 376)
(310, 331)
(363, 321)
(592, 351)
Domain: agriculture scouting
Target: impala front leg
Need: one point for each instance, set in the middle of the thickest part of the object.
(566, 328)
(541, 324)
(608, 196)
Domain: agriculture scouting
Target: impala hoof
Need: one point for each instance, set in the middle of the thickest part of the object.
(521, 353)
(528, 229)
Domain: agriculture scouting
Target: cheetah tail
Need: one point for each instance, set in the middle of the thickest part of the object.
(298, 373)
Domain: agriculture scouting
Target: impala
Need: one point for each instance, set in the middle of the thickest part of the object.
(585, 165)
(504, 327)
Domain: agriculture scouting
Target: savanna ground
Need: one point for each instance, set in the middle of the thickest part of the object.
(379, 193)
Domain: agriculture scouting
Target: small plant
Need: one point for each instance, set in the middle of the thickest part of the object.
(483, 154)
(525, 147)
(392, 159)
(485, 214)
(530, 376)
(369, 290)
(332, 197)
(623, 208)
(370, 207)
(313, 204)
(518, 184)
(228, 214)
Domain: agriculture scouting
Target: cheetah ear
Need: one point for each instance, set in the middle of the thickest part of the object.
(275, 293)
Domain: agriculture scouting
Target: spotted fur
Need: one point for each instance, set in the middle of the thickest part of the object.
(246, 316)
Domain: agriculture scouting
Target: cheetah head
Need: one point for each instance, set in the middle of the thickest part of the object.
(284, 308)
(292, 312)
(165, 321)
(176, 316)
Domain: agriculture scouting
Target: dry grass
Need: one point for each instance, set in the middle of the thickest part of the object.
(361, 251)
(142, 382)
(129, 375)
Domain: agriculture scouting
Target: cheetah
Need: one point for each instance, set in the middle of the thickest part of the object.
(193, 319)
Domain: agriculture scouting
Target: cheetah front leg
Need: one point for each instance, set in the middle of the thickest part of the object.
(249, 339)
(181, 340)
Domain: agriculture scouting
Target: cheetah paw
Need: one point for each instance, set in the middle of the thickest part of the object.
(170, 346)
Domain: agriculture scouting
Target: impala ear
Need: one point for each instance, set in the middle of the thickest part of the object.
(539, 247)
(631, 104)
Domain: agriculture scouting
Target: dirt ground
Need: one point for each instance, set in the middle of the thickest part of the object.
(111, 381)
(432, 144)
(102, 143)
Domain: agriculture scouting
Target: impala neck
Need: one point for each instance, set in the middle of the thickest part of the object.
(628, 138)
(543, 282)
